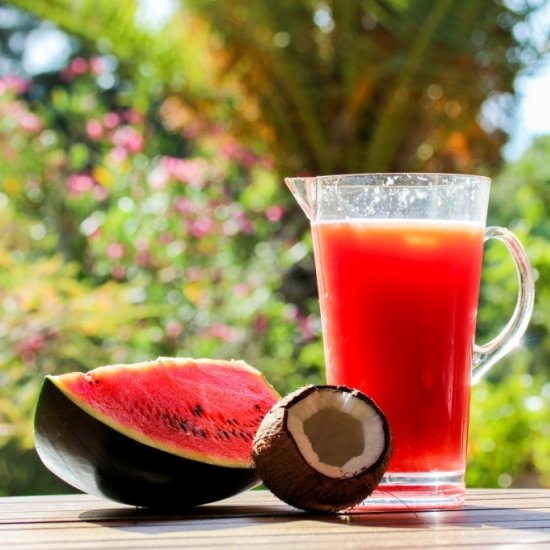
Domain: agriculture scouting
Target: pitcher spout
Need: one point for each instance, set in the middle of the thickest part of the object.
(305, 193)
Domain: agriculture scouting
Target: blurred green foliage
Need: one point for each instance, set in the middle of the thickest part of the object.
(113, 251)
(134, 222)
(510, 422)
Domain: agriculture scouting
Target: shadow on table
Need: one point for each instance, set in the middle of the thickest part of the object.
(208, 517)
(214, 517)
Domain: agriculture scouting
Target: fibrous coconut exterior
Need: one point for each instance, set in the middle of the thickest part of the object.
(286, 473)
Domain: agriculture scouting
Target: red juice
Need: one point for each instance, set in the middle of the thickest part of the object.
(398, 303)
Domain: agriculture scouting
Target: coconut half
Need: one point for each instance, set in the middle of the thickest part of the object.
(323, 448)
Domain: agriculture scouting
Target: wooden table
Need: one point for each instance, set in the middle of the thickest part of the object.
(256, 519)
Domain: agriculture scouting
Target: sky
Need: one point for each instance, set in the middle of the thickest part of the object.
(533, 114)
(47, 46)
(533, 87)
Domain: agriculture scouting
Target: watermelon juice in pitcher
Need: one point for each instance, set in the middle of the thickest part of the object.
(398, 260)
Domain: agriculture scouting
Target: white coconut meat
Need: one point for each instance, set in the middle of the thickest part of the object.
(337, 433)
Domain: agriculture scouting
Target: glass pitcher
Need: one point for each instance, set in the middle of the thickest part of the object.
(398, 260)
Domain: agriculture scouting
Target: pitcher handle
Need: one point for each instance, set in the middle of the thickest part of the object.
(487, 355)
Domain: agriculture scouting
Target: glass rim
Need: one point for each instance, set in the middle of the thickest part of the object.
(431, 177)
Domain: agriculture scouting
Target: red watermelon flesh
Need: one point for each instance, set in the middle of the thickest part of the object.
(203, 409)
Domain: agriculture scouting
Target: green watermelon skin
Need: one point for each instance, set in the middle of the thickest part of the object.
(97, 459)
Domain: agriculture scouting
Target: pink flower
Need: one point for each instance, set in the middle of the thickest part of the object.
(118, 272)
(111, 120)
(217, 130)
(31, 346)
(14, 83)
(118, 154)
(241, 290)
(30, 122)
(33, 343)
(244, 223)
(97, 65)
(133, 117)
(193, 130)
(174, 329)
(274, 213)
(94, 129)
(194, 274)
(78, 184)
(267, 161)
(231, 149)
(261, 323)
(184, 206)
(168, 163)
(201, 227)
(191, 171)
(78, 65)
(221, 332)
(143, 255)
(166, 237)
(115, 251)
(67, 75)
(100, 192)
(128, 138)
(247, 158)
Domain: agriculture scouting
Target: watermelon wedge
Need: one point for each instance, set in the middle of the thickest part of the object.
(169, 433)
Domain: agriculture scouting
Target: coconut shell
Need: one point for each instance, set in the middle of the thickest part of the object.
(286, 473)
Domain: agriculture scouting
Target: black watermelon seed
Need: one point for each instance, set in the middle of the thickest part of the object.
(184, 426)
